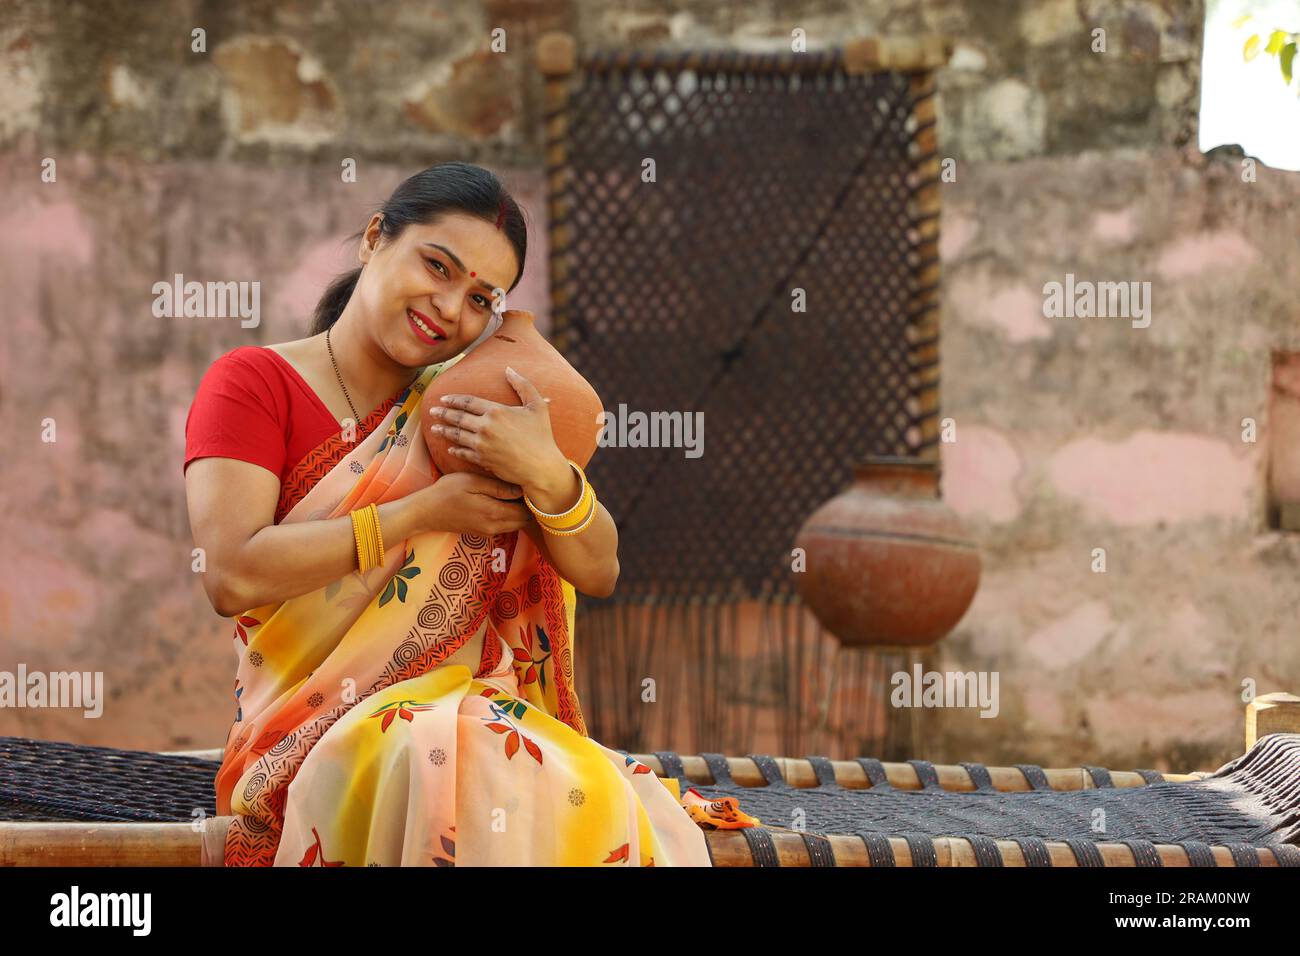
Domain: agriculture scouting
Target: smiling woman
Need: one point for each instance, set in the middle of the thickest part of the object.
(404, 688)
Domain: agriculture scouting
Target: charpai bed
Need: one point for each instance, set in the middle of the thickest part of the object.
(71, 805)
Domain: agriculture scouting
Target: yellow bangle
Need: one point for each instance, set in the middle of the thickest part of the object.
(575, 530)
(379, 534)
(580, 526)
(356, 536)
(581, 513)
(368, 536)
(564, 518)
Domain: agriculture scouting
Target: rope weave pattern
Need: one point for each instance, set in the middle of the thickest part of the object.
(1251, 802)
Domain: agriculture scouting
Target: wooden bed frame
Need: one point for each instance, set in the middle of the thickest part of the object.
(201, 842)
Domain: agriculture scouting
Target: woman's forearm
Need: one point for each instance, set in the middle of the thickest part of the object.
(588, 560)
(287, 560)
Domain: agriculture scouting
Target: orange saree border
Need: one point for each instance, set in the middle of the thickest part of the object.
(317, 463)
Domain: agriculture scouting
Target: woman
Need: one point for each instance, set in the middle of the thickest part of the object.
(405, 680)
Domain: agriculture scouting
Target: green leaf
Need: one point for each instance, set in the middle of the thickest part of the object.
(1251, 49)
(1288, 55)
(1275, 41)
(401, 589)
(388, 593)
(409, 573)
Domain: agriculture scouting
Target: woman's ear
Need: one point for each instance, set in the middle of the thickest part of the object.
(370, 238)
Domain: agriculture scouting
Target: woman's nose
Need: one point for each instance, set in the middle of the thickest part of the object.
(449, 306)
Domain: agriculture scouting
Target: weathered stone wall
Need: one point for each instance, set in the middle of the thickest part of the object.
(1072, 434)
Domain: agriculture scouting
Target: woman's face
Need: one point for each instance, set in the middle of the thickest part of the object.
(440, 274)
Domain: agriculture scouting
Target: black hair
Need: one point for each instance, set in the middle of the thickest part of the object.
(444, 188)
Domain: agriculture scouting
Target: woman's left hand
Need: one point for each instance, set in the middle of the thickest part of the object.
(513, 442)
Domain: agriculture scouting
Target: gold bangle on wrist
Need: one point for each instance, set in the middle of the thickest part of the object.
(574, 530)
(574, 527)
(368, 536)
(379, 535)
(580, 512)
(359, 538)
(565, 517)
(577, 517)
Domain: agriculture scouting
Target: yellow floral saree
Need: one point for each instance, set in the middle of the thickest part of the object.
(424, 713)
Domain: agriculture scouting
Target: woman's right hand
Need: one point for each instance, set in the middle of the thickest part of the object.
(467, 503)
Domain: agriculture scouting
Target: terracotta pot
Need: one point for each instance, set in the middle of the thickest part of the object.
(575, 407)
(887, 561)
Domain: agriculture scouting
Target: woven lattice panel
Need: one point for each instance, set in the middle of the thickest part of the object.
(772, 173)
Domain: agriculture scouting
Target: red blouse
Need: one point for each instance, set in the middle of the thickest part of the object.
(254, 406)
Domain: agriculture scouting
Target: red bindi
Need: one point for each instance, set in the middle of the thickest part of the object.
(473, 274)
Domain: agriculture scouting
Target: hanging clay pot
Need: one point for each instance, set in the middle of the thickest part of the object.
(575, 407)
(887, 561)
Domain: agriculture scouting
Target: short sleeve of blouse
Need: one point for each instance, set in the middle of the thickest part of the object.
(236, 414)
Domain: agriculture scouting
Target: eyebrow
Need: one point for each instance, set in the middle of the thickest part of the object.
(461, 266)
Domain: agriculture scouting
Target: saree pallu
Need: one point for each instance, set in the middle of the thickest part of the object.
(423, 713)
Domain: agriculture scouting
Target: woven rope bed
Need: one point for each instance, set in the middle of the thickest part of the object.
(68, 804)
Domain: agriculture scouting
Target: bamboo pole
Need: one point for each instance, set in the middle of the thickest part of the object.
(730, 849)
(904, 53)
(923, 211)
(1272, 714)
(181, 844)
(100, 844)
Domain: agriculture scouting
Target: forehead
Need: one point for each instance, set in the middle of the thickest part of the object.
(479, 245)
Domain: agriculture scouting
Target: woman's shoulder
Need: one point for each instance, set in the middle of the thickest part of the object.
(252, 369)
(243, 356)
(263, 361)
(261, 353)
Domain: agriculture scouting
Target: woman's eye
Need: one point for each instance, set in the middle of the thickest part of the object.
(483, 303)
(435, 262)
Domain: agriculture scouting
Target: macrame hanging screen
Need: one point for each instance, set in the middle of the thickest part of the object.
(740, 267)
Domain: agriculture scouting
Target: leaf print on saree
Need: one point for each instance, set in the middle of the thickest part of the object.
(448, 849)
(528, 667)
(500, 723)
(403, 708)
(243, 622)
(315, 856)
(397, 583)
